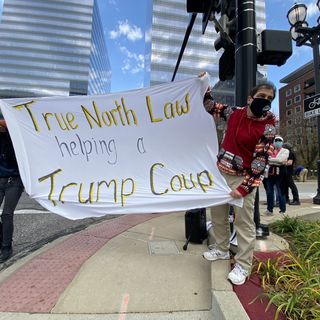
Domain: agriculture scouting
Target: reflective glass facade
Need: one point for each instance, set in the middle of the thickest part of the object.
(46, 48)
(100, 69)
(168, 22)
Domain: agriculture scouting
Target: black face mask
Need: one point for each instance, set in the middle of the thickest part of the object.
(259, 107)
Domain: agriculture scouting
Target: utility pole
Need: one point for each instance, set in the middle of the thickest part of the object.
(246, 62)
(245, 50)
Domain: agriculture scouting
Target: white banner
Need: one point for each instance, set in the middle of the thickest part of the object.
(142, 151)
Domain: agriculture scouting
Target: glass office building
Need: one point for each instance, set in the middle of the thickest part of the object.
(168, 21)
(100, 69)
(52, 47)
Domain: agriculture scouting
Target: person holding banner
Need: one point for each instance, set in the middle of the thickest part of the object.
(11, 188)
(242, 161)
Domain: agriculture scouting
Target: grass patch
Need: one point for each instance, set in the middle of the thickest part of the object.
(292, 281)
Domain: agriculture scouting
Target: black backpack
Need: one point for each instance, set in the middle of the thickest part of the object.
(195, 226)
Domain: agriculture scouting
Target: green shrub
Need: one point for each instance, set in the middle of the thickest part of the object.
(292, 281)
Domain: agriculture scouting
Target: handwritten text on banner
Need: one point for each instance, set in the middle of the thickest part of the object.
(149, 150)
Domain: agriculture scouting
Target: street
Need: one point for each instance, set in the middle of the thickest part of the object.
(307, 190)
(34, 227)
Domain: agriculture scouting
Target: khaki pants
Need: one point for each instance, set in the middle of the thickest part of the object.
(244, 224)
(303, 175)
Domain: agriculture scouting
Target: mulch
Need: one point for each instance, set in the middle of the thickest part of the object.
(251, 289)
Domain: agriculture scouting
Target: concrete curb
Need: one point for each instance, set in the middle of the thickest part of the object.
(223, 296)
(187, 315)
(227, 306)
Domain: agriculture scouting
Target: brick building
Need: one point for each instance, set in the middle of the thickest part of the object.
(300, 132)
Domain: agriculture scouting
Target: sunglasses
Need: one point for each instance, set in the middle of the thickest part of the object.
(277, 140)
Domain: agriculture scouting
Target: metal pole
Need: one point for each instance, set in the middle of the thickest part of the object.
(184, 43)
(245, 50)
(316, 67)
(246, 62)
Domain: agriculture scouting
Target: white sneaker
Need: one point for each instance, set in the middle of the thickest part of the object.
(237, 275)
(216, 254)
(268, 213)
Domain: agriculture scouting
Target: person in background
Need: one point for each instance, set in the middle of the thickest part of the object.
(301, 173)
(289, 178)
(277, 176)
(242, 161)
(11, 188)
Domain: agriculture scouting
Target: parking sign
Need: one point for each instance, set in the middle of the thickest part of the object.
(311, 106)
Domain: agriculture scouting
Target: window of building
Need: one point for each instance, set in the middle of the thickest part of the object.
(297, 88)
(289, 112)
(78, 88)
(288, 92)
(289, 102)
(297, 99)
(308, 83)
(289, 122)
(298, 109)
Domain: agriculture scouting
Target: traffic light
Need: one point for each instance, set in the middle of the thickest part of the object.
(227, 64)
(206, 7)
(226, 27)
(274, 47)
(200, 6)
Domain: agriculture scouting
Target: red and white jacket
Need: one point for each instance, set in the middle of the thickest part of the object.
(246, 145)
(277, 162)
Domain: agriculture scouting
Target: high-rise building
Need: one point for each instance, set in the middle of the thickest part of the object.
(52, 47)
(168, 25)
(100, 69)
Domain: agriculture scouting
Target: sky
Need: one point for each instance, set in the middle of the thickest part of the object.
(124, 23)
(124, 27)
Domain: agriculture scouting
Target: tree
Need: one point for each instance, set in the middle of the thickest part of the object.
(309, 152)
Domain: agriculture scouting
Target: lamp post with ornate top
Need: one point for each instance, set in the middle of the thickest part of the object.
(302, 34)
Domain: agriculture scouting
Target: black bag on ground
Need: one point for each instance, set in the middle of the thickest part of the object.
(195, 226)
(265, 229)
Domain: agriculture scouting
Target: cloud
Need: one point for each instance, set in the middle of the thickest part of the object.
(312, 9)
(133, 63)
(114, 4)
(132, 33)
(302, 51)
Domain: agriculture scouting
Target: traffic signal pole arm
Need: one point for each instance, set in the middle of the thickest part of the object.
(223, 32)
(184, 43)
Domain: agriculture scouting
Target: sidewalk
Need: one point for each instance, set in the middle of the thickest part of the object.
(129, 268)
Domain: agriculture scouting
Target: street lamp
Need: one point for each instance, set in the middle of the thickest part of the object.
(309, 36)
